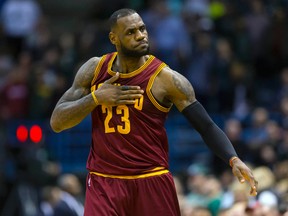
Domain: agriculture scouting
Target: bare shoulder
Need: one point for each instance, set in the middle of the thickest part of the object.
(86, 72)
(175, 87)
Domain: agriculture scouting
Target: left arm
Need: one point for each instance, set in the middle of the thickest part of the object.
(179, 91)
(212, 135)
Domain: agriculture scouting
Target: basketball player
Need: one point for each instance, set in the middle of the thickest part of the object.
(129, 94)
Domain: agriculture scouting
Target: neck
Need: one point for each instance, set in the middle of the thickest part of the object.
(124, 64)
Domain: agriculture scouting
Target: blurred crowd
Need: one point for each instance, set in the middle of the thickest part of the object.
(235, 53)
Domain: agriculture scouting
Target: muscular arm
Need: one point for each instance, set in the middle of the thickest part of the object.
(180, 92)
(77, 102)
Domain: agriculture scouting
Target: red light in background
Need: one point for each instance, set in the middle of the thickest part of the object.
(22, 133)
(36, 133)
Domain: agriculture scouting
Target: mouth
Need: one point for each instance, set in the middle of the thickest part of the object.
(142, 43)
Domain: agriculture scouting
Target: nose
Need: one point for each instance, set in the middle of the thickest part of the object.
(140, 35)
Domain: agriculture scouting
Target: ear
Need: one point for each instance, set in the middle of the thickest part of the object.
(113, 38)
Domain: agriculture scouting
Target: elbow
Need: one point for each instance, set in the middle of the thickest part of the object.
(54, 126)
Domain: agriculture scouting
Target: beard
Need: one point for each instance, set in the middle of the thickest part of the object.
(134, 53)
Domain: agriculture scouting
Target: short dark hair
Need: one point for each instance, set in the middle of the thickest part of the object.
(119, 14)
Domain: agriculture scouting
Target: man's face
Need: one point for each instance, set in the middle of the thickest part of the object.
(130, 36)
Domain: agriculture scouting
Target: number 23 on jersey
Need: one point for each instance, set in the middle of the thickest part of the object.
(122, 111)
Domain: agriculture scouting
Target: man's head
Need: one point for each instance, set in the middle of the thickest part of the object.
(119, 14)
(70, 184)
(128, 33)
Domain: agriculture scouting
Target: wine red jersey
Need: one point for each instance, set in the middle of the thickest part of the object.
(128, 139)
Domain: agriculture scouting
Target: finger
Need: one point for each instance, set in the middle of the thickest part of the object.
(121, 102)
(249, 177)
(112, 79)
(129, 92)
(239, 175)
(127, 88)
(253, 191)
(254, 185)
(130, 96)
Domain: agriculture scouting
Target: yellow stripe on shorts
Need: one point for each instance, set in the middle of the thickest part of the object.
(144, 175)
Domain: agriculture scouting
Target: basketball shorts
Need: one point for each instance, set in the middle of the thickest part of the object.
(148, 196)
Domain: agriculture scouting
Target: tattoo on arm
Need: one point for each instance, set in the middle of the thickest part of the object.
(82, 82)
(85, 74)
(183, 86)
(76, 103)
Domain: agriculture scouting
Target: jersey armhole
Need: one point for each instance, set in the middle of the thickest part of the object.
(98, 68)
(149, 93)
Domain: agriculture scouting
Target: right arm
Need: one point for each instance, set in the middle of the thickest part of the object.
(77, 102)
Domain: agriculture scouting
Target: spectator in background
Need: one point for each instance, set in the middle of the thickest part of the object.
(40, 40)
(283, 84)
(226, 180)
(71, 198)
(267, 195)
(68, 55)
(281, 188)
(204, 192)
(255, 134)
(199, 211)
(268, 152)
(214, 195)
(241, 89)
(6, 65)
(241, 40)
(283, 110)
(50, 196)
(15, 93)
(48, 82)
(180, 190)
(19, 19)
(167, 34)
(282, 148)
(86, 43)
(32, 168)
(277, 39)
(237, 198)
(221, 83)
(281, 170)
(257, 22)
(197, 179)
(195, 14)
(238, 209)
(198, 70)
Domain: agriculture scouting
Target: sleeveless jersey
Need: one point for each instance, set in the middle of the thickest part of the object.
(128, 139)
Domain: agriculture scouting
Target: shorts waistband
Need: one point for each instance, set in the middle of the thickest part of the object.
(144, 175)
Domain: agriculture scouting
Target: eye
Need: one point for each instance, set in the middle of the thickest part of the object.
(130, 32)
(142, 28)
